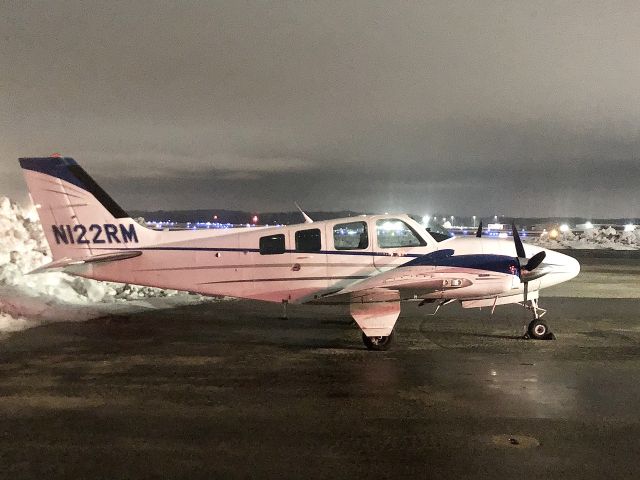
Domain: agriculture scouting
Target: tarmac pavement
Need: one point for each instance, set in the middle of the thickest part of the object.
(230, 390)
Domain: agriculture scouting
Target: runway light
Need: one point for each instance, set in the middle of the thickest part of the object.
(629, 227)
(564, 228)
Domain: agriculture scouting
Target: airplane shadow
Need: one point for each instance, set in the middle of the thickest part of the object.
(437, 333)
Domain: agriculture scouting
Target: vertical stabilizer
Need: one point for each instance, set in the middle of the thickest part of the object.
(78, 217)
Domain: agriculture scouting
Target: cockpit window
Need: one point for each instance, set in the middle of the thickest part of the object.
(350, 236)
(394, 233)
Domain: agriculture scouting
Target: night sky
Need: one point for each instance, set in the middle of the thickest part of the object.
(515, 108)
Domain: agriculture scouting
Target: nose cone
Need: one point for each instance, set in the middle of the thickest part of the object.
(560, 268)
(573, 267)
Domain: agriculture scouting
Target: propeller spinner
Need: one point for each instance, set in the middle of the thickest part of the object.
(527, 265)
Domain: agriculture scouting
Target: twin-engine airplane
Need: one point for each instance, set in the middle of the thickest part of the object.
(370, 262)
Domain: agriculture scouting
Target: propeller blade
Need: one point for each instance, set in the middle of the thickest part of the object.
(518, 242)
(535, 261)
(479, 231)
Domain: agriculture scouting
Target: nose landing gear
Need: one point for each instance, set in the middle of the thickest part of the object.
(537, 328)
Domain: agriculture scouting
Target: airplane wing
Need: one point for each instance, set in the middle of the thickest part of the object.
(68, 262)
(434, 272)
(416, 275)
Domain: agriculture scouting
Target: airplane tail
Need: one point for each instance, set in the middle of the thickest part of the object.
(80, 220)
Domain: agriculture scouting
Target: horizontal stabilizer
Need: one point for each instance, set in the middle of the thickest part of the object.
(67, 262)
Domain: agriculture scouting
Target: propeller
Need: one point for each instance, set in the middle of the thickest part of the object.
(479, 231)
(527, 265)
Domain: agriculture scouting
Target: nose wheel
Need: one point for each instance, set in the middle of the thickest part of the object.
(537, 328)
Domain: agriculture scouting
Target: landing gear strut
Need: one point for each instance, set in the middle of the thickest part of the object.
(537, 329)
(377, 343)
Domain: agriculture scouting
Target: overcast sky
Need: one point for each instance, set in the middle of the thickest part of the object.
(517, 108)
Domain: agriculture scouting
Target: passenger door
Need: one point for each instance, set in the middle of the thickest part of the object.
(349, 257)
(308, 262)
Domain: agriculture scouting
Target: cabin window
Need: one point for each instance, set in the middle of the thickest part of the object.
(308, 241)
(272, 245)
(394, 233)
(350, 236)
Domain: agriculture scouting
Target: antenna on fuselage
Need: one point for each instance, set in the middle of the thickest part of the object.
(307, 218)
(479, 231)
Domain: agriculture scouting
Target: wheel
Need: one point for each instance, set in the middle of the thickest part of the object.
(538, 330)
(377, 343)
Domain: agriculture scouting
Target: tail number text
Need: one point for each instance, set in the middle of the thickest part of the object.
(94, 234)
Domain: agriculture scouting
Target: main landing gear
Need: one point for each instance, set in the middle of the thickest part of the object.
(377, 343)
(537, 329)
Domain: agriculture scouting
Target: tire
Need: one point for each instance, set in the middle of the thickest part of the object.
(539, 330)
(378, 344)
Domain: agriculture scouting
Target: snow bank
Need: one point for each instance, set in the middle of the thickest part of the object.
(593, 238)
(25, 298)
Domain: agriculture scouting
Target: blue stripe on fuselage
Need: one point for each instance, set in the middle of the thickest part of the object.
(492, 263)
(439, 258)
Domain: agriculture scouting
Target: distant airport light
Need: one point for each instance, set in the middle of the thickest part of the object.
(255, 219)
(502, 235)
(564, 228)
(425, 219)
(629, 227)
(553, 234)
(588, 225)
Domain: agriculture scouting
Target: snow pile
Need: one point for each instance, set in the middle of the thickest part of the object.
(11, 324)
(593, 238)
(23, 248)
(25, 298)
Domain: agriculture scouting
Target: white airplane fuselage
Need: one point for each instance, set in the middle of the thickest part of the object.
(229, 262)
(370, 262)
